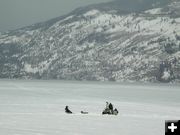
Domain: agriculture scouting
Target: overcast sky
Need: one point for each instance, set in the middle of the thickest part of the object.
(18, 13)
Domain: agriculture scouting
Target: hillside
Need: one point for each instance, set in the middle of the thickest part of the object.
(96, 43)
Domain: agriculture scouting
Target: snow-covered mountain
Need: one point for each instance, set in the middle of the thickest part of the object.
(98, 42)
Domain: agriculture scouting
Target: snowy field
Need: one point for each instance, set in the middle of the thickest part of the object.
(37, 108)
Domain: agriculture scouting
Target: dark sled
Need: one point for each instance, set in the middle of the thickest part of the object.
(82, 112)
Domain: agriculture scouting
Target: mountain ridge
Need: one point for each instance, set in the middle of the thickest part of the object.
(93, 44)
(117, 5)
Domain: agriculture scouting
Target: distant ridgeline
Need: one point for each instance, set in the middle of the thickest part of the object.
(123, 40)
(131, 5)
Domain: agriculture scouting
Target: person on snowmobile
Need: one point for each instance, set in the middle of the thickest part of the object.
(67, 110)
(107, 105)
(108, 109)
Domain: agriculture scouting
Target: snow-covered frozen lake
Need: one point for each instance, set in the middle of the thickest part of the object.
(37, 107)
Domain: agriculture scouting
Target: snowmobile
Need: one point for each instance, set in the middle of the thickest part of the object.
(110, 112)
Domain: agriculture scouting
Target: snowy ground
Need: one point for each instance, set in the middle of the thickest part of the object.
(37, 108)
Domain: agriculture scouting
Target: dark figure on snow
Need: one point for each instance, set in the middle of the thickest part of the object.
(115, 112)
(67, 110)
(111, 108)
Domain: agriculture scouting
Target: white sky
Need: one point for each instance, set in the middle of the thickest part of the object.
(18, 13)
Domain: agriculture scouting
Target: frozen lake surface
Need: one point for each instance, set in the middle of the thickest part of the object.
(37, 107)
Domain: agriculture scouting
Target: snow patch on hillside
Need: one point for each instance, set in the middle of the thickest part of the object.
(91, 13)
(154, 11)
(28, 68)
